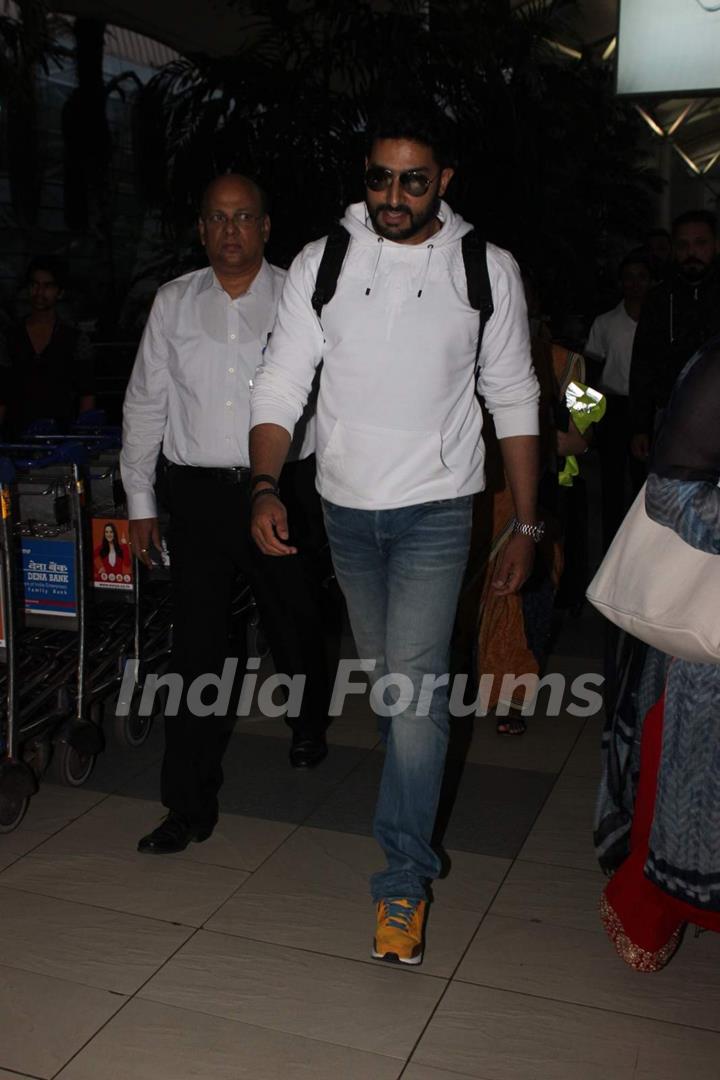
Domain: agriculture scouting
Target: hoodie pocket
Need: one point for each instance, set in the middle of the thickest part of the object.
(371, 463)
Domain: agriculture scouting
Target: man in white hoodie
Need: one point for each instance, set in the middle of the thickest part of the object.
(400, 457)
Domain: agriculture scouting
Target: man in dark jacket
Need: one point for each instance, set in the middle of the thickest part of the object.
(680, 314)
(48, 369)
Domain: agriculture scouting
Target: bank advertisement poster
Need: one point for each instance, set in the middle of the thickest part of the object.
(49, 576)
(112, 558)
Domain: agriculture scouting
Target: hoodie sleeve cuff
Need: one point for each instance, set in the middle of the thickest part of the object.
(272, 414)
(516, 420)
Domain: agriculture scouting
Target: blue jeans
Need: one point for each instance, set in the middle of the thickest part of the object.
(401, 571)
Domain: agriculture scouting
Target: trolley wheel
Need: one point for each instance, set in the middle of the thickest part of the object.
(133, 729)
(69, 766)
(12, 811)
(37, 754)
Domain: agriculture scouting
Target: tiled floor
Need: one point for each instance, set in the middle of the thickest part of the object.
(248, 956)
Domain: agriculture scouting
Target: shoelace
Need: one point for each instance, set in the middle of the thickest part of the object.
(399, 913)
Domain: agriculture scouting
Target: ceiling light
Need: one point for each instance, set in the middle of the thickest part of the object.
(650, 121)
(688, 160)
(566, 50)
(610, 48)
(679, 119)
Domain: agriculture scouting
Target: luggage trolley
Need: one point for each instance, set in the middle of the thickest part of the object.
(55, 725)
(128, 608)
(138, 637)
(17, 780)
(76, 620)
(152, 635)
(65, 644)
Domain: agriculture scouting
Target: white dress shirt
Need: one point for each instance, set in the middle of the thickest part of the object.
(611, 338)
(189, 391)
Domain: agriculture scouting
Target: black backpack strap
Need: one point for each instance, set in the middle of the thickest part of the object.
(474, 251)
(336, 245)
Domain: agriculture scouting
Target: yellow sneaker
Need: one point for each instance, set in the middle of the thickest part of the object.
(399, 932)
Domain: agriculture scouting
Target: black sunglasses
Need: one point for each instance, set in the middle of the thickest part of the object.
(411, 181)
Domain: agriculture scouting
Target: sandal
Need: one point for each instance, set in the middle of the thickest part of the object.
(511, 725)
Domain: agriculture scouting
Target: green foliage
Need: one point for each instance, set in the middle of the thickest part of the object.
(28, 44)
(547, 153)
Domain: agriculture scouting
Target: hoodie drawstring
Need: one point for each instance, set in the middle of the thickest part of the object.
(375, 268)
(431, 248)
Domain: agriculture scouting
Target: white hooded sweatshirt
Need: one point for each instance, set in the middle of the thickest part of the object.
(398, 420)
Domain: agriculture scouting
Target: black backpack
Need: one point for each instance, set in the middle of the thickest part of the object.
(474, 251)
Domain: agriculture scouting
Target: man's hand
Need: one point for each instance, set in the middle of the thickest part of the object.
(144, 534)
(269, 527)
(515, 565)
(640, 447)
(570, 442)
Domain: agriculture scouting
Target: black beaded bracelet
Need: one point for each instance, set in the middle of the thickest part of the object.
(264, 479)
(265, 491)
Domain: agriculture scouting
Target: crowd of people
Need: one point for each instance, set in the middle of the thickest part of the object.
(398, 397)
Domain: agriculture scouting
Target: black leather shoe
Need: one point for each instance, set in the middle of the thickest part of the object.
(307, 751)
(172, 835)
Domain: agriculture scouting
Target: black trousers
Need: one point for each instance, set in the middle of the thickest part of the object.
(210, 545)
(573, 514)
(622, 474)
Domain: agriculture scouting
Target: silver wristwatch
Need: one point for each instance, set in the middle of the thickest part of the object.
(535, 532)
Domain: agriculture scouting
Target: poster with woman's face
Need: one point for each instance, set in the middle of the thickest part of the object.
(112, 558)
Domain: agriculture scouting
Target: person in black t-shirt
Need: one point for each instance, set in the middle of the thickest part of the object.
(48, 373)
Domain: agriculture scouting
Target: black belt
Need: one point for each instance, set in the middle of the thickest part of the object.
(237, 474)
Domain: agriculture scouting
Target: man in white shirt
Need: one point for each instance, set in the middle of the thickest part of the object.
(400, 456)
(189, 394)
(611, 340)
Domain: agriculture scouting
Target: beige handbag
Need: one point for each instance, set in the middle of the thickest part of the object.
(659, 589)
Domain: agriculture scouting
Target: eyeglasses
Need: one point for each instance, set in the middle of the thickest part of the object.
(240, 219)
(412, 181)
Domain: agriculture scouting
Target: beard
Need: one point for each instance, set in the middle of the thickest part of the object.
(693, 270)
(416, 221)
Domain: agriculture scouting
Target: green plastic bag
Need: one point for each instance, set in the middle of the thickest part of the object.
(586, 406)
